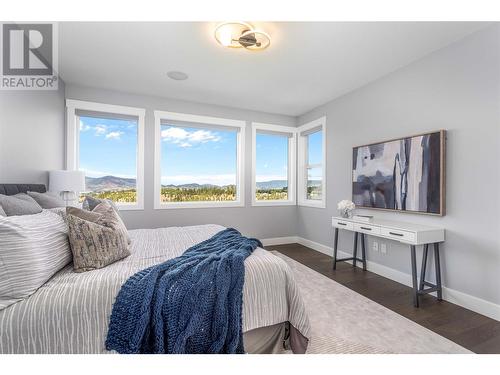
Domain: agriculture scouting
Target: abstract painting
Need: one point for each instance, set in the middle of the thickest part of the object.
(405, 174)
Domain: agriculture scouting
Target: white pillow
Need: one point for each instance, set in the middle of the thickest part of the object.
(32, 249)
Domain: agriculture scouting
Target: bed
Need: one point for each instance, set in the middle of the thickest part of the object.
(70, 313)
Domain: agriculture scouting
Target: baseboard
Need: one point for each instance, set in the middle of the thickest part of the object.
(279, 240)
(467, 301)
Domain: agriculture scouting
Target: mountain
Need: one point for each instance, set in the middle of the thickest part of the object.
(314, 182)
(273, 184)
(108, 183)
(191, 186)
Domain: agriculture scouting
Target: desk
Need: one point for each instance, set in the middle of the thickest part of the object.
(407, 233)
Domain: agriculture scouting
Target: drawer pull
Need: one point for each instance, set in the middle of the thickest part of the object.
(339, 223)
(365, 228)
(396, 234)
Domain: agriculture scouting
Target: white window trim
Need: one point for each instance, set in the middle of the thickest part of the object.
(204, 122)
(292, 163)
(302, 157)
(73, 135)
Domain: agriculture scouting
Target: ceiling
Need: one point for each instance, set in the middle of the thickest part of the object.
(306, 65)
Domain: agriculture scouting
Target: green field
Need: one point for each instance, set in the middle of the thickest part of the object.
(204, 194)
(271, 194)
(118, 196)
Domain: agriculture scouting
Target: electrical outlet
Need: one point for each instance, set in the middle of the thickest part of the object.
(383, 248)
(375, 246)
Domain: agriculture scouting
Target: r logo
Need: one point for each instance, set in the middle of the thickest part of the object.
(27, 49)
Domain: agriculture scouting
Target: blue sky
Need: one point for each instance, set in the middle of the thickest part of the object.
(189, 155)
(314, 146)
(194, 155)
(108, 147)
(272, 157)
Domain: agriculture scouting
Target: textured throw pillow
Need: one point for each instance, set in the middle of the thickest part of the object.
(32, 249)
(19, 204)
(97, 239)
(2, 212)
(47, 200)
(90, 203)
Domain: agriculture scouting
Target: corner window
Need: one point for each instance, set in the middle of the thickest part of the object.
(312, 154)
(273, 165)
(199, 161)
(106, 142)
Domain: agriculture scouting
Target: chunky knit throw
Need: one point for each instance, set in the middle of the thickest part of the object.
(189, 304)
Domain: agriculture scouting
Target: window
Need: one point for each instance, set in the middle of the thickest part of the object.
(273, 165)
(312, 164)
(199, 161)
(106, 142)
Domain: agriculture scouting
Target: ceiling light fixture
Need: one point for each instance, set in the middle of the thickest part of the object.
(177, 76)
(241, 35)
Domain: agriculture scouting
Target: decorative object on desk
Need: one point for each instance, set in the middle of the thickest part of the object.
(404, 174)
(67, 183)
(363, 218)
(346, 208)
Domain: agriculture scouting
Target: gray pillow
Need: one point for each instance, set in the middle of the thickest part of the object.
(32, 249)
(90, 203)
(47, 200)
(19, 204)
(96, 237)
(2, 212)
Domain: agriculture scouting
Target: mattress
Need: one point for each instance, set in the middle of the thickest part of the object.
(70, 313)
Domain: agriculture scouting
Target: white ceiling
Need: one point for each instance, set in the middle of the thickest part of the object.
(306, 65)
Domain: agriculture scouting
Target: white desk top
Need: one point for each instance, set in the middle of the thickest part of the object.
(409, 233)
(402, 225)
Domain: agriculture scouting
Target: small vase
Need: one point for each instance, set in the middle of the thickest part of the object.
(346, 214)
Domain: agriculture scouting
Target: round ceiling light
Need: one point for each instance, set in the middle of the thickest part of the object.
(241, 35)
(177, 76)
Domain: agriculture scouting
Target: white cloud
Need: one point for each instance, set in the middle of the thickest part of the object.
(217, 179)
(184, 138)
(114, 135)
(83, 127)
(100, 129)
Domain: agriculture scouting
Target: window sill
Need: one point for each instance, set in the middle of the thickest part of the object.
(312, 203)
(273, 203)
(129, 207)
(182, 205)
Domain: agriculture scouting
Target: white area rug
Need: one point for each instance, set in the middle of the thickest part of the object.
(344, 321)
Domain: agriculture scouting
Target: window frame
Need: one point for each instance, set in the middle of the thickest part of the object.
(292, 163)
(73, 140)
(208, 123)
(302, 147)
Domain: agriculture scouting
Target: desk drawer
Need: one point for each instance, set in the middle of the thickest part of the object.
(367, 228)
(398, 235)
(342, 224)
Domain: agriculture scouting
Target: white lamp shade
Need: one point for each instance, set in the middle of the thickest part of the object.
(67, 181)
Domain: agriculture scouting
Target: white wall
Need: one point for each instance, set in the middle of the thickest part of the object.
(32, 135)
(262, 222)
(457, 89)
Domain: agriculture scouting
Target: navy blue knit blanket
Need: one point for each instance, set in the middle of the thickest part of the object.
(189, 304)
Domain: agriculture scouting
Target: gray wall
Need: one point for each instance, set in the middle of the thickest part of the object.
(457, 89)
(262, 222)
(32, 135)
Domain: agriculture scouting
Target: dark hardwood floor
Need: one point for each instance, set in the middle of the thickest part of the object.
(473, 331)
